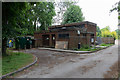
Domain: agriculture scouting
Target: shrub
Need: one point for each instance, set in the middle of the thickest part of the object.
(103, 44)
(85, 46)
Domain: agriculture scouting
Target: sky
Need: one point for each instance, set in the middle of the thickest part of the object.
(97, 11)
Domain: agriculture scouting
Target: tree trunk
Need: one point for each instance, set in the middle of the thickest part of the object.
(4, 46)
(35, 25)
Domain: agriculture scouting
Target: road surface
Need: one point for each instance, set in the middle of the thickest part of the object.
(67, 65)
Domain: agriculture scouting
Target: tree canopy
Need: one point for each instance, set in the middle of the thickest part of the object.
(116, 7)
(98, 31)
(18, 17)
(105, 32)
(107, 28)
(73, 14)
(61, 8)
(10, 13)
(43, 13)
(118, 33)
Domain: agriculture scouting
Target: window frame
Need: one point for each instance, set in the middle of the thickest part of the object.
(63, 36)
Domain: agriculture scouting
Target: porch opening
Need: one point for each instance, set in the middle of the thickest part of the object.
(45, 40)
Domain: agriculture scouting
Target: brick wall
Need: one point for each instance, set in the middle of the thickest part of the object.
(108, 40)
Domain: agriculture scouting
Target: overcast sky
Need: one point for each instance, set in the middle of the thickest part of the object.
(97, 11)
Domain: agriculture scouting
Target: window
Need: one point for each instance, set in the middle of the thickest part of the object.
(63, 36)
(53, 37)
(92, 40)
(78, 32)
(84, 35)
(92, 35)
(80, 26)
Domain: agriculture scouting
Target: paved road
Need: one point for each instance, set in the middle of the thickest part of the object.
(66, 65)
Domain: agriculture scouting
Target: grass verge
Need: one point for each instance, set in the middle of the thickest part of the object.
(90, 49)
(14, 61)
(87, 48)
(103, 44)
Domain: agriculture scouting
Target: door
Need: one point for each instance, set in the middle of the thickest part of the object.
(53, 40)
(45, 40)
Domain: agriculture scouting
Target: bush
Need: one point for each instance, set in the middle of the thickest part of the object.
(103, 44)
(75, 49)
(85, 46)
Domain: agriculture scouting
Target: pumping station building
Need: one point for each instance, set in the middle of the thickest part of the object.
(67, 36)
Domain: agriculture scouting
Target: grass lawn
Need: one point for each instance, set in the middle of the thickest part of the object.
(103, 44)
(87, 48)
(83, 49)
(14, 61)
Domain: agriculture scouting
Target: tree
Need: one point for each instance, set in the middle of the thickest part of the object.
(116, 6)
(18, 18)
(43, 14)
(105, 32)
(98, 31)
(10, 26)
(114, 34)
(118, 33)
(61, 8)
(107, 28)
(73, 14)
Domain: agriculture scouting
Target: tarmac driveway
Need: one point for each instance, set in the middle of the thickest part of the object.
(69, 65)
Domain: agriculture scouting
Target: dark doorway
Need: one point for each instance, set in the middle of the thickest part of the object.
(53, 40)
(45, 40)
